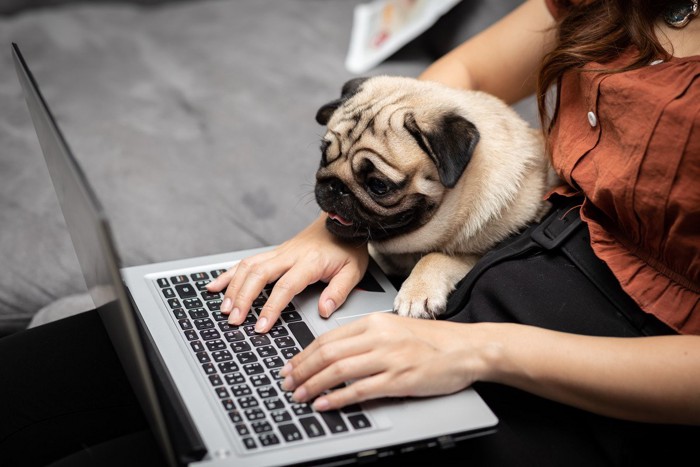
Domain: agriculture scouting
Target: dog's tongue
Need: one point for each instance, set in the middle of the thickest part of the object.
(338, 218)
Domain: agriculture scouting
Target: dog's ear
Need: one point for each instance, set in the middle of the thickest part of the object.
(449, 142)
(350, 88)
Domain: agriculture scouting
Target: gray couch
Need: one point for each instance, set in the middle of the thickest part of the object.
(194, 121)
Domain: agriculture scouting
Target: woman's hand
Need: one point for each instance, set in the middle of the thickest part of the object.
(387, 356)
(312, 255)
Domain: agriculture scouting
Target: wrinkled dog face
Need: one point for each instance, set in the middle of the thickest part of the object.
(387, 158)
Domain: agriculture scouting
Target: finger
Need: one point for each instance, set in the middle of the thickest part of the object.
(219, 283)
(251, 276)
(346, 331)
(287, 287)
(372, 387)
(350, 368)
(337, 290)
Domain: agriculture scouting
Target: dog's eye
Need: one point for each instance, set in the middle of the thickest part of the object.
(377, 186)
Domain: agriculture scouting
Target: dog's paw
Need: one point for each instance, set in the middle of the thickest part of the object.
(419, 298)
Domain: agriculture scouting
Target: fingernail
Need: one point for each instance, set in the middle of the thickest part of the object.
(321, 404)
(226, 305)
(261, 324)
(300, 394)
(288, 383)
(286, 369)
(330, 306)
(234, 316)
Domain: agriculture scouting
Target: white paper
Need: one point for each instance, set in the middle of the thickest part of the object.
(382, 27)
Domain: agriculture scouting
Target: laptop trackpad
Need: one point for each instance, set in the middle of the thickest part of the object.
(349, 319)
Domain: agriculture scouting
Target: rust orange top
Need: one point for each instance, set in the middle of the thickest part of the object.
(630, 144)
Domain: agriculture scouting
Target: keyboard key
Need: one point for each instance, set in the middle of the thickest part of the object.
(219, 316)
(168, 292)
(216, 344)
(217, 272)
(163, 282)
(290, 432)
(209, 334)
(215, 380)
(186, 291)
(273, 404)
(312, 427)
(268, 439)
(197, 346)
(222, 356)
(221, 392)
(234, 336)
(249, 443)
(359, 421)
(179, 313)
(224, 326)
(201, 285)
(302, 333)
(203, 357)
(253, 369)
(228, 367)
(242, 429)
(352, 408)
(259, 340)
(246, 357)
(259, 380)
(228, 404)
(240, 390)
(235, 416)
(234, 378)
(261, 426)
(241, 346)
(280, 416)
(174, 303)
(185, 324)
(249, 330)
(301, 409)
(254, 414)
(203, 323)
(192, 303)
(199, 276)
(198, 313)
(266, 351)
(273, 362)
(334, 421)
(289, 352)
(191, 335)
(214, 305)
(209, 368)
(266, 391)
(248, 402)
(283, 342)
(278, 331)
(207, 296)
(290, 316)
(181, 279)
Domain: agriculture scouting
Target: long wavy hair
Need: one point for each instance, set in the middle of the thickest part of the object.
(598, 31)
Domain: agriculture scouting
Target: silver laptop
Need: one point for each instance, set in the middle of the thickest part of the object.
(211, 391)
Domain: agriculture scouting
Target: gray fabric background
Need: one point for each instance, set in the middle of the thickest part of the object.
(193, 120)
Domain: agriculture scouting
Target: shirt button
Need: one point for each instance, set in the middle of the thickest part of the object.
(592, 119)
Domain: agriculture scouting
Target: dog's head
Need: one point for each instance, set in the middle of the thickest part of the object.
(393, 146)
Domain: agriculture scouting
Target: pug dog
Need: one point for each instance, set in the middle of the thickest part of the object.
(432, 177)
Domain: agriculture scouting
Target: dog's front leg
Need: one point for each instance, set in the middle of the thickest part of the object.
(424, 293)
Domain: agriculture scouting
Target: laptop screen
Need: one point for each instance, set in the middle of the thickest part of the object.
(92, 241)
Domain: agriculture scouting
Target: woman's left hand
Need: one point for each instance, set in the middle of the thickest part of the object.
(385, 355)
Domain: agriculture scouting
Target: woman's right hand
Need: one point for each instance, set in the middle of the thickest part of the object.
(312, 255)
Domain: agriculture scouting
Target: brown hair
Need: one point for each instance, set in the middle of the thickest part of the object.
(598, 31)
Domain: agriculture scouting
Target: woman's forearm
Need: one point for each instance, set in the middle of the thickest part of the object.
(648, 379)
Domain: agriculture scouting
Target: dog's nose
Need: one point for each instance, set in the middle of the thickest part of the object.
(338, 187)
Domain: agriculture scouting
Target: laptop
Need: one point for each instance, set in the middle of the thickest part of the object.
(211, 391)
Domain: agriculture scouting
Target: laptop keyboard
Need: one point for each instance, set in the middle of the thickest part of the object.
(242, 366)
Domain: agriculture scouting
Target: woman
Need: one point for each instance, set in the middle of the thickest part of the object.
(624, 134)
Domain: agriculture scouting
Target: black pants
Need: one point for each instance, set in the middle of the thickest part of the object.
(64, 394)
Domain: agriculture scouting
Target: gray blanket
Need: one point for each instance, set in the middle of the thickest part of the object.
(193, 120)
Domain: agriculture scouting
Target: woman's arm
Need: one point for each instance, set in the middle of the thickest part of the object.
(648, 379)
(503, 59)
